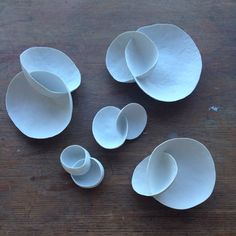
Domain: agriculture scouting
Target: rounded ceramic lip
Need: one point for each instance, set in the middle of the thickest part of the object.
(70, 88)
(109, 51)
(120, 38)
(17, 76)
(82, 169)
(186, 34)
(149, 193)
(147, 159)
(139, 80)
(94, 124)
(140, 107)
(154, 61)
(101, 168)
(213, 165)
(171, 180)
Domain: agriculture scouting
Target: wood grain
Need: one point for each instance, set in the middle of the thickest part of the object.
(38, 197)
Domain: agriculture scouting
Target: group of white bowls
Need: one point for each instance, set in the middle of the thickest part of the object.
(166, 64)
(38, 99)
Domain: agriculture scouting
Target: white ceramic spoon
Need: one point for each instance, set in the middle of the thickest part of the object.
(38, 115)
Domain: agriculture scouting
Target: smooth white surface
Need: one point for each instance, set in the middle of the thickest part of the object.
(35, 114)
(136, 117)
(53, 61)
(92, 178)
(141, 55)
(161, 172)
(195, 179)
(150, 179)
(106, 130)
(176, 71)
(75, 160)
(179, 65)
(130, 54)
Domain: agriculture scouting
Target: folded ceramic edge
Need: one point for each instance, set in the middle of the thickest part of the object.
(141, 55)
(31, 122)
(144, 183)
(70, 157)
(51, 60)
(179, 65)
(87, 180)
(136, 117)
(196, 175)
(161, 171)
(124, 49)
(195, 179)
(107, 132)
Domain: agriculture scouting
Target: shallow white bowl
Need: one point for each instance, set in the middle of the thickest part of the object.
(195, 179)
(38, 115)
(53, 61)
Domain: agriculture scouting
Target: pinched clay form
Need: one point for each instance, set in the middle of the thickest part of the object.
(38, 99)
(112, 126)
(180, 174)
(85, 171)
(162, 59)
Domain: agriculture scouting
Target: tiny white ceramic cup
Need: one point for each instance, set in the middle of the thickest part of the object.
(75, 160)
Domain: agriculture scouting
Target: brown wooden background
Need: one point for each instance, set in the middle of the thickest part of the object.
(38, 198)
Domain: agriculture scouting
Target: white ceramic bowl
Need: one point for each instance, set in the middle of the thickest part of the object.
(170, 70)
(195, 179)
(38, 115)
(53, 61)
(112, 126)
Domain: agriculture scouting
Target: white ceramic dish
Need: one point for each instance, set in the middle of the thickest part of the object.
(112, 126)
(38, 115)
(85, 171)
(75, 160)
(53, 61)
(195, 179)
(170, 71)
(92, 178)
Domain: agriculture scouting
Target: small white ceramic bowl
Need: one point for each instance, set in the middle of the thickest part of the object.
(75, 160)
(85, 171)
(112, 126)
(193, 183)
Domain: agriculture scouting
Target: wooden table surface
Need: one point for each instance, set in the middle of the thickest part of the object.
(39, 198)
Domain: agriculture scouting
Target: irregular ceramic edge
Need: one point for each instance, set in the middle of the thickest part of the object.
(41, 85)
(213, 164)
(58, 51)
(108, 49)
(109, 148)
(86, 158)
(153, 64)
(176, 172)
(133, 175)
(146, 118)
(200, 72)
(70, 102)
(100, 180)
